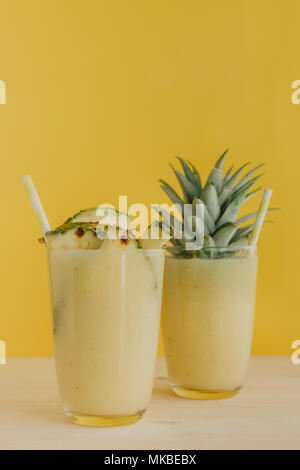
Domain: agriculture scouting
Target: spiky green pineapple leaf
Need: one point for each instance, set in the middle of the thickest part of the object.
(227, 176)
(188, 189)
(253, 193)
(196, 174)
(242, 241)
(225, 193)
(223, 235)
(247, 176)
(220, 162)
(210, 197)
(209, 224)
(247, 185)
(242, 232)
(246, 230)
(235, 176)
(228, 187)
(216, 175)
(190, 175)
(235, 196)
(243, 219)
(232, 210)
(172, 194)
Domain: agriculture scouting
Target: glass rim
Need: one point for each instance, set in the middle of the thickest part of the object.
(213, 253)
(229, 248)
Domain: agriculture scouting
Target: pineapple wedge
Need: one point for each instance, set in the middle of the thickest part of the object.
(73, 236)
(87, 236)
(124, 240)
(110, 216)
(86, 230)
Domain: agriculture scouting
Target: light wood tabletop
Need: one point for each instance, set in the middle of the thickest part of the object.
(264, 415)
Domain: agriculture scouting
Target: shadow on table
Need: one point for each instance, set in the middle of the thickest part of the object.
(162, 388)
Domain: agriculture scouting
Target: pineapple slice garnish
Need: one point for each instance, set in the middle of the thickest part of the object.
(109, 215)
(73, 236)
(87, 229)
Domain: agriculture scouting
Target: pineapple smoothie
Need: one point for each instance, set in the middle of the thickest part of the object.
(210, 284)
(207, 323)
(106, 308)
(106, 298)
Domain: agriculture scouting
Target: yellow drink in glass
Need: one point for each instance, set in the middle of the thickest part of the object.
(207, 323)
(106, 312)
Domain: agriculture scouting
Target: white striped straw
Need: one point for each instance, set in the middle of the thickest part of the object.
(36, 204)
(261, 214)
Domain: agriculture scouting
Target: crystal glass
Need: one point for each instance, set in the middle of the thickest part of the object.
(208, 314)
(106, 317)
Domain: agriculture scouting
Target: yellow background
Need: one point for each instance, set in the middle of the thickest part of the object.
(100, 97)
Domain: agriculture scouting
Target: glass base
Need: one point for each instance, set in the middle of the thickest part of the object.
(104, 421)
(204, 394)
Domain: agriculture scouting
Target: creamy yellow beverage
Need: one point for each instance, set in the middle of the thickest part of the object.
(207, 323)
(106, 306)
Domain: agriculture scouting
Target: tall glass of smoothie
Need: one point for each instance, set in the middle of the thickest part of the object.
(208, 320)
(106, 299)
(106, 312)
(210, 279)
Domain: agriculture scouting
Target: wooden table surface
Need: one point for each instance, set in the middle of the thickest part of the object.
(264, 415)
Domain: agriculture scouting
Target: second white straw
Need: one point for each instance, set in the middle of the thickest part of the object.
(261, 214)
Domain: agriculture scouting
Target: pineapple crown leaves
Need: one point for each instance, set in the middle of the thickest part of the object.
(196, 174)
(222, 198)
(227, 176)
(223, 235)
(189, 190)
(191, 175)
(215, 177)
(171, 194)
(253, 193)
